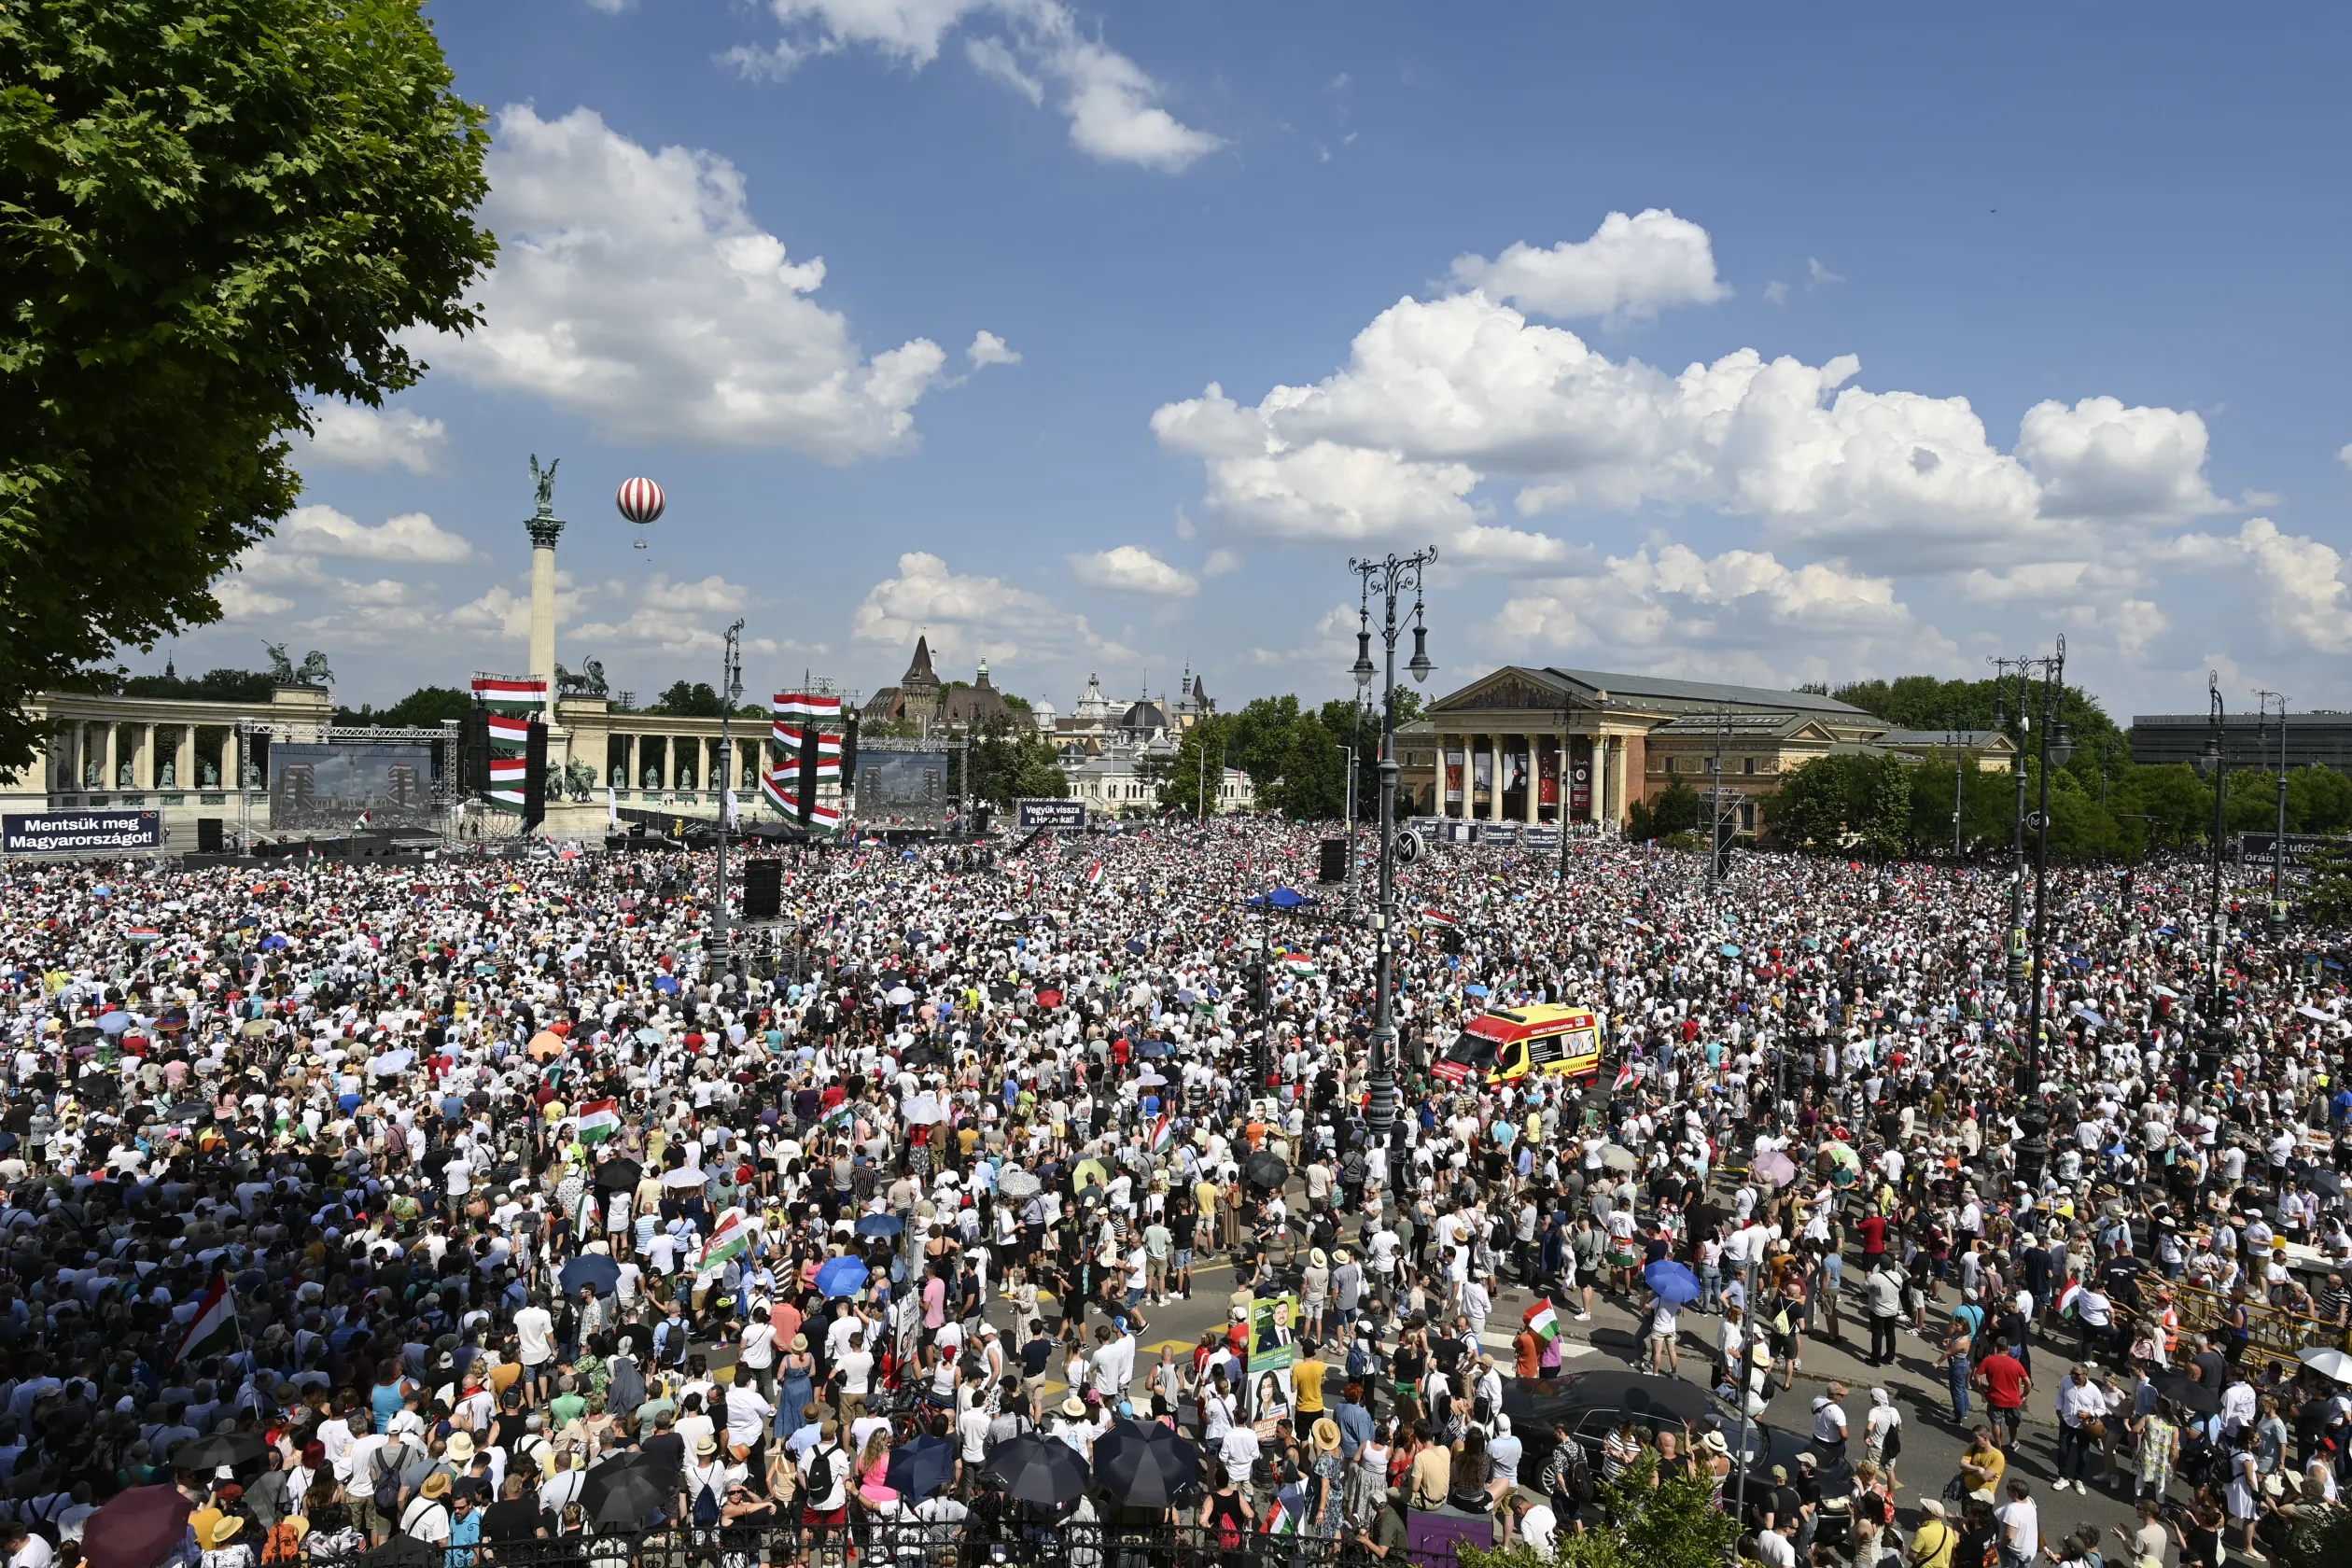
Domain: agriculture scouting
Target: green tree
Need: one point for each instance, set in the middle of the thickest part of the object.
(1188, 776)
(1015, 761)
(2326, 901)
(216, 211)
(697, 699)
(422, 708)
(1821, 801)
(1678, 808)
(1673, 1524)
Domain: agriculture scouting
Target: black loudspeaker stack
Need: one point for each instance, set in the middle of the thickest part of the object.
(763, 890)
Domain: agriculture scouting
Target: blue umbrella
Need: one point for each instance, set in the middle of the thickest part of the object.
(2096, 1022)
(591, 1268)
(1151, 1048)
(1672, 1280)
(1730, 949)
(273, 941)
(842, 1276)
(1135, 945)
(114, 1023)
(666, 982)
(920, 1466)
(1474, 989)
(880, 1224)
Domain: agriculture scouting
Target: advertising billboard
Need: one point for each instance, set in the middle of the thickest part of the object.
(327, 787)
(1035, 814)
(902, 789)
(80, 832)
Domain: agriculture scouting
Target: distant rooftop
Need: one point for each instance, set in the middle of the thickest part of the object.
(1669, 692)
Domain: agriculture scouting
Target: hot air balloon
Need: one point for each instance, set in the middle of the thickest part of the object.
(640, 502)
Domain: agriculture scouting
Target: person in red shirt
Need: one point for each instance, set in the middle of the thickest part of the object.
(2006, 1383)
(1872, 1229)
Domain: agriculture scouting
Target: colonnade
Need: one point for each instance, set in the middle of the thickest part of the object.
(1607, 800)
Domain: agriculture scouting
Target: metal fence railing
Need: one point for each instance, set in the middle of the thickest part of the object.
(977, 1541)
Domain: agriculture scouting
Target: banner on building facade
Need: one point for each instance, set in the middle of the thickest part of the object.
(80, 832)
(1515, 772)
(1481, 778)
(1580, 778)
(1548, 780)
(1453, 778)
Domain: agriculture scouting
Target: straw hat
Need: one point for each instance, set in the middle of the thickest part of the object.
(218, 1532)
(461, 1446)
(436, 1485)
(1074, 1407)
(1327, 1433)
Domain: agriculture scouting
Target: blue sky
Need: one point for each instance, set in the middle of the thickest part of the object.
(2001, 327)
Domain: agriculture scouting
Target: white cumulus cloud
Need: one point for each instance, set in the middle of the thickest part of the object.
(2303, 589)
(411, 537)
(1112, 105)
(353, 436)
(635, 290)
(1442, 399)
(1132, 569)
(1629, 270)
(969, 618)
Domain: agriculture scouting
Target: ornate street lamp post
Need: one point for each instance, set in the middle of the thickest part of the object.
(2214, 764)
(2056, 747)
(1388, 579)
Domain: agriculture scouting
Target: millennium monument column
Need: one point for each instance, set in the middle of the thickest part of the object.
(545, 528)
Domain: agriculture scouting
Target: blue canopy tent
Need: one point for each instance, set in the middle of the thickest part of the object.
(1280, 898)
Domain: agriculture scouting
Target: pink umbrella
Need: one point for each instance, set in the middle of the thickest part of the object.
(136, 1529)
(1774, 1169)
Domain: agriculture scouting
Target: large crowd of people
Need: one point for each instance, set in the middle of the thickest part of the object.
(481, 1202)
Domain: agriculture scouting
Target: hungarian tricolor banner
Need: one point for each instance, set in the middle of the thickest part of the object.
(780, 789)
(791, 738)
(510, 731)
(733, 1238)
(506, 773)
(599, 1119)
(1095, 873)
(1627, 1075)
(806, 705)
(1163, 1133)
(213, 1329)
(1542, 1321)
(1437, 918)
(508, 695)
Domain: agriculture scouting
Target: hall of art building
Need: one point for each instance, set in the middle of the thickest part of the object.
(1547, 745)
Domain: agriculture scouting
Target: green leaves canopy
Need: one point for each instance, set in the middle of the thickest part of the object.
(214, 211)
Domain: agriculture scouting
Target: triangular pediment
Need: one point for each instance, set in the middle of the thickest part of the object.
(1514, 686)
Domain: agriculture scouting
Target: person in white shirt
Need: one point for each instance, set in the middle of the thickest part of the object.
(2020, 1526)
(535, 1333)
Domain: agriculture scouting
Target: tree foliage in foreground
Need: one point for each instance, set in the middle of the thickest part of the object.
(1673, 1524)
(214, 211)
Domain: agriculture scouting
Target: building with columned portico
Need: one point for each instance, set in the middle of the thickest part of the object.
(1549, 744)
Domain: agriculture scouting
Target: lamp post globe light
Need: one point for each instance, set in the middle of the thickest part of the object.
(1389, 579)
(2278, 838)
(2054, 746)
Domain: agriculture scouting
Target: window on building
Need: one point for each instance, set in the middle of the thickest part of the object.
(1747, 764)
(1747, 817)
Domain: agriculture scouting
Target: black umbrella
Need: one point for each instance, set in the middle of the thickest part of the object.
(2202, 1399)
(2320, 1179)
(617, 1175)
(221, 1448)
(1145, 1465)
(1031, 1468)
(1265, 1169)
(625, 1491)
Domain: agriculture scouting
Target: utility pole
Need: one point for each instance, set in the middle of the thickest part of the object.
(2017, 828)
(1959, 780)
(1718, 839)
(730, 691)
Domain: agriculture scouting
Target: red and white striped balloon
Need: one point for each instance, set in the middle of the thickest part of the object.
(641, 500)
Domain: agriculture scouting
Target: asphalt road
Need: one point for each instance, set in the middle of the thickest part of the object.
(1932, 1444)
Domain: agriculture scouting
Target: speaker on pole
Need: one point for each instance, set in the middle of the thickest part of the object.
(763, 889)
(535, 777)
(476, 773)
(1333, 864)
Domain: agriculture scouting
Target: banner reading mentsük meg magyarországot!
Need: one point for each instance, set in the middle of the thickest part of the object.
(80, 832)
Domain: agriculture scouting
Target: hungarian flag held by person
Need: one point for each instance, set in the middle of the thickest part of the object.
(1163, 1133)
(599, 1119)
(1627, 1076)
(214, 1328)
(1279, 1520)
(733, 1238)
(1542, 1321)
(1094, 875)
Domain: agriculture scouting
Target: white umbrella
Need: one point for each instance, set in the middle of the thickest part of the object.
(685, 1176)
(899, 996)
(1017, 1183)
(920, 1109)
(1616, 1157)
(2329, 1363)
(1151, 1081)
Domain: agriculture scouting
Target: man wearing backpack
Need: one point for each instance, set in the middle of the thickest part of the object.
(824, 1487)
(703, 1494)
(427, 1518)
